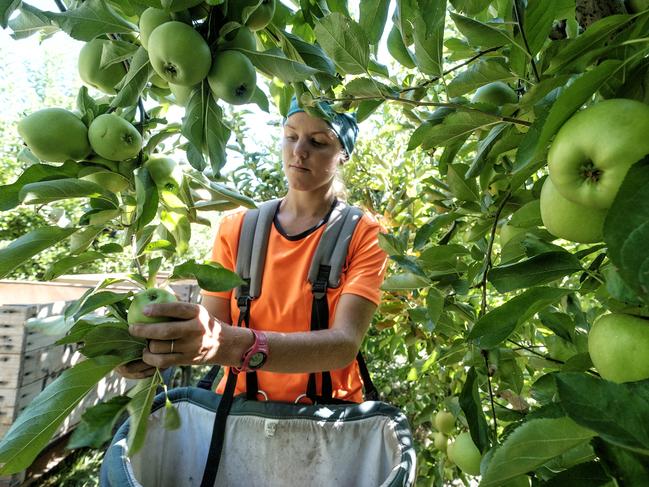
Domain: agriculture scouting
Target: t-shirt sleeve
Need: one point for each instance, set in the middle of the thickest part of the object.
(224, 249)
(367, 262)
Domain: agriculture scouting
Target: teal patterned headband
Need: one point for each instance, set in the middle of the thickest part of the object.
(343, 124)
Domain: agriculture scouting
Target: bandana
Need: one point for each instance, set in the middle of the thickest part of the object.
(343, 124)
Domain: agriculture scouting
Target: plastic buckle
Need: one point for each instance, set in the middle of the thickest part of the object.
(319, 287)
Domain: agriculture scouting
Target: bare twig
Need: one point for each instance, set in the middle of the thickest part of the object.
(527, 46)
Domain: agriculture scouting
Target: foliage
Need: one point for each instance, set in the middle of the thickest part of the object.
(492, 329)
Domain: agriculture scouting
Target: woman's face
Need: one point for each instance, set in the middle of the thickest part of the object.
(311, 152)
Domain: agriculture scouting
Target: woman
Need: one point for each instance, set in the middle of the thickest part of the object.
(312, 150)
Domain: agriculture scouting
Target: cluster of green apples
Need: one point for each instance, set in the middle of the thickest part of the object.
(58, 135)
(182, 58)
(587, 162)
(461, 451)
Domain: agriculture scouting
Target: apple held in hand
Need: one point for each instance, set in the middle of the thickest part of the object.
(568, 220)
(618, 345)
(114, 138)
(465, 454)
(141, 300)
(594, 149)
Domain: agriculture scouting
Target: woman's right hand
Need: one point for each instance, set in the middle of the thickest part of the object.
(135, 370)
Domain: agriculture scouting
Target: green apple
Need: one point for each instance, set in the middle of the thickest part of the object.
(444, 422)
(440, 441)
(179, 54)
(173, 5)
(158, 82)
(113, 182)
(253, 13)
(398, 49)
(595, 148)
(241, 38)
(141, 300)
(568, 220)
(636, 6)
(495, 95)
(91, 72)
(465, 454)
(181, 93)
(114, 138)
(162, 170)
(149, 20)
(618, 345)
(55, 135)
(233, 77)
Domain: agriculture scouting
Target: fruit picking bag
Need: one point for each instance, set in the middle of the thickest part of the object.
(267, 444)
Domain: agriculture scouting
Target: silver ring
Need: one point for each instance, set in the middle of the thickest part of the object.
(172, 346)
(297, 399)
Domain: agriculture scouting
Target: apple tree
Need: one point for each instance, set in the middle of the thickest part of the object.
(506, 160)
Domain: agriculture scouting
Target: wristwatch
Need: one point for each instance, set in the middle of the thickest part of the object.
(256, 355)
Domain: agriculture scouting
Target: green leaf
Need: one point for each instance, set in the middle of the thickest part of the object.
(274, 63)
(210, 277)
(38, 172)
(498, 324)
(463, 188)
(60, 189)
(344, 42)
(112, 339)
(622, 464)
(130, 88)
(31, 21)
(573, 97)
(63, 265)
(484, 148)
(626, 229)
(171, 416)
(596, 35)
(472, 406)
(531, 445)
(116, 51)
(7, 7)
(203, 127)
(480, 34)
(434, 304)
(91, 302)
(591, 474)
(404, 281)
(456, 127)
(147, 199)
(477, 75)
(98, 423)
(92, 18)
(368, 87)
(373, 14)
(528, 215)
(27, 246)
(139, 409)
(616, 412)
(32, 430)
(429, 36)
(535, 271)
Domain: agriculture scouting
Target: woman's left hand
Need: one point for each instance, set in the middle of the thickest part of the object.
(193, 338)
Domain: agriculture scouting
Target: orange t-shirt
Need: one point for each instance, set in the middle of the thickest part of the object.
(285, 301)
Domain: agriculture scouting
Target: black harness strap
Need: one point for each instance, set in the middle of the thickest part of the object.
(220, 420)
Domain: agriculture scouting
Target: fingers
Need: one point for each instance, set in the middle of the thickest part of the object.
(136, 370)
(178, 310)
(162, 360)
(171, 330)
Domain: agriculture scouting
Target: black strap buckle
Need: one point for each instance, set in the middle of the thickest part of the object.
(319, 287)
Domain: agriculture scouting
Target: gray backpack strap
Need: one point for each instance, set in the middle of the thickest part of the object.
(253, 242)
(334, 244)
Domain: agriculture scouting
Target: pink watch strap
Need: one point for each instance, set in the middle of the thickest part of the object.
(260, 345)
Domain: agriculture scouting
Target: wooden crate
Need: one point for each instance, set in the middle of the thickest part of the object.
(29, 360)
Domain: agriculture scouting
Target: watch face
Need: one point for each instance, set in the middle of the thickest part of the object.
(257, 360)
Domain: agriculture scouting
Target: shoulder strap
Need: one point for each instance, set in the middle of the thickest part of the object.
(253, 243)
(333, 246)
